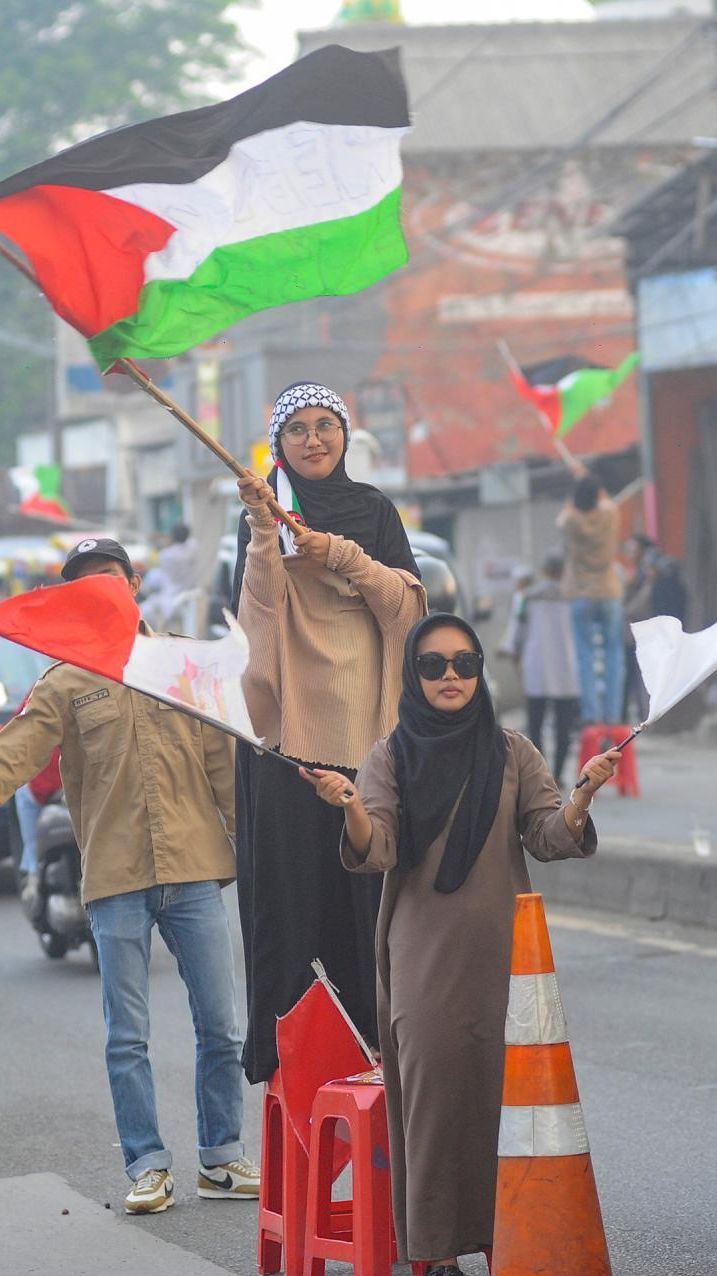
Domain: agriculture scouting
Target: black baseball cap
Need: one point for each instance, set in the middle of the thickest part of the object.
(94, 547)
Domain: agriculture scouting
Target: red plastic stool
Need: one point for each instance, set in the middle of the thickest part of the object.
(282, 1194)
(362, 1232)
(601, 735)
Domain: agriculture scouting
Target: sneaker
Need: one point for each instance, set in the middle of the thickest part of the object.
(237, 1180)
(30, 897)
(153, 1192)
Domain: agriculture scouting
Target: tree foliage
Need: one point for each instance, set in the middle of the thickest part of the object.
(68, 70)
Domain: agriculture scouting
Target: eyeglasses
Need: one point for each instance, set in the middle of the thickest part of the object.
(297, 435)
(432, 665)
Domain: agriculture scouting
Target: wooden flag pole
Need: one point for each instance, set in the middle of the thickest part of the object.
(145, 383)
(574, 465)
(140, 378)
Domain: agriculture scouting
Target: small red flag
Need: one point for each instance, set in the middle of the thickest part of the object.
(315, 1045)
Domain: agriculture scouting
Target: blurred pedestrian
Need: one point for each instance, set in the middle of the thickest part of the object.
(326, 614)
(545, 649)
(654, 587)
(522, 577)
(590, 525)
(179, 592)
(446, 807)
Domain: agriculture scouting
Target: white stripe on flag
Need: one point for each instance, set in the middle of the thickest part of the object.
(275, 181)
(551, 1130)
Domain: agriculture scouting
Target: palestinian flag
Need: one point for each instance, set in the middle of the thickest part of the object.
(153, 238)
(565, 389)
(41, 492)
(94, 622)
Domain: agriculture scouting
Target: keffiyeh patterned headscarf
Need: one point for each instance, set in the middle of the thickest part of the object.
(304, 394)
(336, 504)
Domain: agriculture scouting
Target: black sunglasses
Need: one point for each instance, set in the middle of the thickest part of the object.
(432, 665)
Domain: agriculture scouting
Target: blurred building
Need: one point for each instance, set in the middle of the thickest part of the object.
(671, 240)
(529, 141)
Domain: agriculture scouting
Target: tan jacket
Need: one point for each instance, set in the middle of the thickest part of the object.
(150, 790)
(591, 541)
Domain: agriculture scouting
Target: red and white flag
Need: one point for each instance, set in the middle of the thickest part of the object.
(317, 1043)
(93, 623)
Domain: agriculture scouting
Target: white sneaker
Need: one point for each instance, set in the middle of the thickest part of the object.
(153, 1192)
(237, 1180)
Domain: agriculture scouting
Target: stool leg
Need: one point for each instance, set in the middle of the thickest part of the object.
(296, 1180)
(268, 1250)
(318, 1196)
(372, 1218)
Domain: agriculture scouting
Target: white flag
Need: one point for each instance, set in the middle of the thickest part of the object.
(201, 677)
(672, 663)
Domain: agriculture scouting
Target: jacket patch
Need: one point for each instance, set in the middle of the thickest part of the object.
(90, 698)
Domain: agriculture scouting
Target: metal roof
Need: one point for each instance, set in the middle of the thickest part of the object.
(530, 86)
(675, 226)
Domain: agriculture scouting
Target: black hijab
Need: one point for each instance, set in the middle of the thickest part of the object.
(337, 504)
(438, 754)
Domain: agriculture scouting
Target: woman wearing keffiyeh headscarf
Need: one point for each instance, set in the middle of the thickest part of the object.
(326, 614)
(445, 807)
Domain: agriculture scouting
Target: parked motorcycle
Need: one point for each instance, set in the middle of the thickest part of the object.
(57, 914)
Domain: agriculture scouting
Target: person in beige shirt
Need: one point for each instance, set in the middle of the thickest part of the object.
(326, 614)
(590, 525)
(151, 795)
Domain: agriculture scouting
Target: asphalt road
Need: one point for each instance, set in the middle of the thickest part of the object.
(641, 1002)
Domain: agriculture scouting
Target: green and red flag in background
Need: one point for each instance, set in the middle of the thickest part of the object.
(153, 238)
(565, 389)
(40, 489)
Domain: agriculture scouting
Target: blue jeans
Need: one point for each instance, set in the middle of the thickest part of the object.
(603, 618)
(193, 924)
(28, 810)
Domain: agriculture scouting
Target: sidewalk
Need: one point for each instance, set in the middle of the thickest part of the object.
(646, 864)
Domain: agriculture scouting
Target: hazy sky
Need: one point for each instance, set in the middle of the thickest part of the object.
(272, 28)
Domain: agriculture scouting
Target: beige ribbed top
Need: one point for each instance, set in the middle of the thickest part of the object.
(324, 675)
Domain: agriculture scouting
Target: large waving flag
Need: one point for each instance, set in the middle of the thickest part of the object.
(153, 238)
(93, 623)
(672, 663)
(565, 389)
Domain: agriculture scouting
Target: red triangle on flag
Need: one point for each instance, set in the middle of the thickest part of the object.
(91, 623)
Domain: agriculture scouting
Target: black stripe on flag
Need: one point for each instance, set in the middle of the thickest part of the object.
(333, 85)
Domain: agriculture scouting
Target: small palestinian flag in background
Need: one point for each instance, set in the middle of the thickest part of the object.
(565, 389)
(40, 491)
(153, 238)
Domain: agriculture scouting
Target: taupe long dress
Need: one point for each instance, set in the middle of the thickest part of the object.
(443, 974)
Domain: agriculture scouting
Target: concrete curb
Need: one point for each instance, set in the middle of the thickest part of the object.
(655, 886)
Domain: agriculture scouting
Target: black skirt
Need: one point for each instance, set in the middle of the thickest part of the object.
(297, 902)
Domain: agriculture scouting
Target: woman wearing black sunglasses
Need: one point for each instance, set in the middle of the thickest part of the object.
(445, 807)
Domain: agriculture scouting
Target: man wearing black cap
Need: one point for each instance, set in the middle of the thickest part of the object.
(151, 795)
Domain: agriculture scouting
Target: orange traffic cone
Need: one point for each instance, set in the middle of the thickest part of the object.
(547, 1215)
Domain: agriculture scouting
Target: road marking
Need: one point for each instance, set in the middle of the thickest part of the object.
(620, 931)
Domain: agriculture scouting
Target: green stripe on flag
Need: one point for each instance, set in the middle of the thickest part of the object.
(328, 258)
(582, 390)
